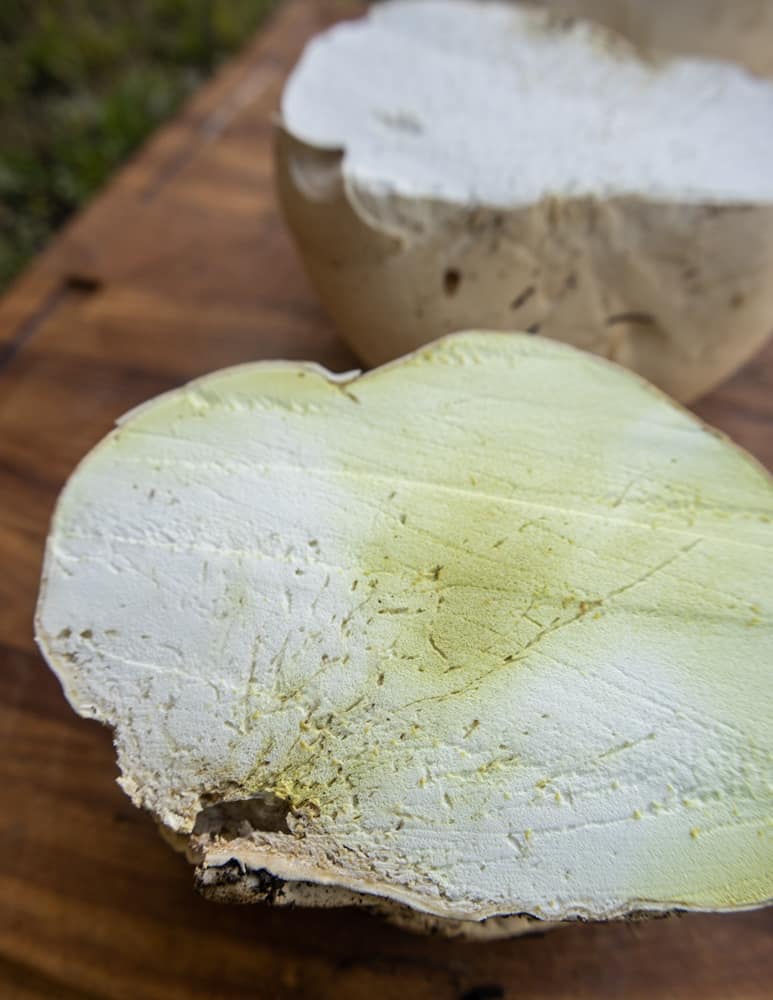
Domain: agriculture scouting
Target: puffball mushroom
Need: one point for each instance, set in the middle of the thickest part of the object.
(449, 165)
(483, 632)
(740, 31)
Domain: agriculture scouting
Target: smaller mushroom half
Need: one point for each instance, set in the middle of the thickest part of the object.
(448, 165)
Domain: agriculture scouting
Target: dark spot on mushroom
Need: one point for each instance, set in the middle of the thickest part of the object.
(400, 121)
(342, 388)
(87, 634)
(571, 282)
(229, 819)
(523, 297)
(534, 328)
(642, 318)
(737, 300)
(451, 281)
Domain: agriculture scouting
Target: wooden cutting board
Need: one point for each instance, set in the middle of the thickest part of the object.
(182, 266)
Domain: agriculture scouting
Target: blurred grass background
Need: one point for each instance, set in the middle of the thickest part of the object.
(82, 83)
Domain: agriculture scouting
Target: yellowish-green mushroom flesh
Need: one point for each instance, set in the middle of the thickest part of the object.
(494, 622)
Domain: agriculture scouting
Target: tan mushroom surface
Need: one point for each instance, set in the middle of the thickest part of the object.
(455, 165)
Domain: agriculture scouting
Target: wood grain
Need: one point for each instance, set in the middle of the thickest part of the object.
(180, 266)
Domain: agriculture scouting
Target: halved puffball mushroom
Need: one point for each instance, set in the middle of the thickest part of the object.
(740, 31)
(487, 631)
(449, 165)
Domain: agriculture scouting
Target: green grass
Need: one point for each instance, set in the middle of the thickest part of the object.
(82, 83)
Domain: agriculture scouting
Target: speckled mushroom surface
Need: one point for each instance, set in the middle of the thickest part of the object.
(492, 625)
(447, 164)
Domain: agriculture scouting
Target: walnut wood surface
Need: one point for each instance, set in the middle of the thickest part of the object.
(181, 266)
